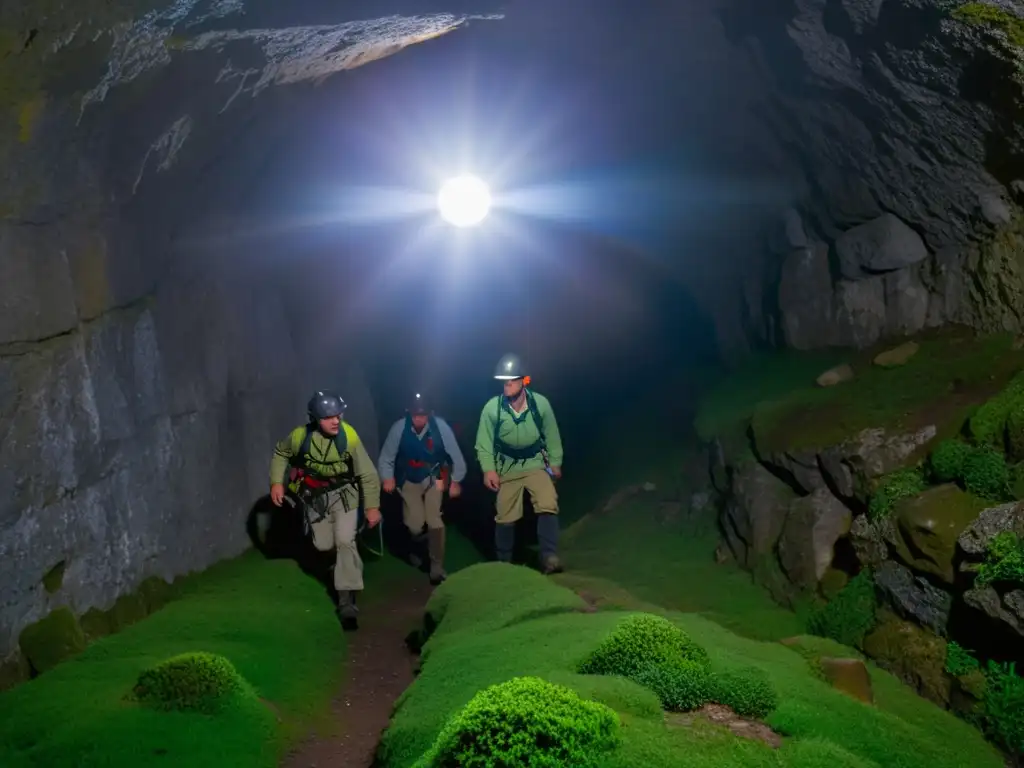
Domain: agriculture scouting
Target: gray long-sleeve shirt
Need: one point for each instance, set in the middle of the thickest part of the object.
(389, 451)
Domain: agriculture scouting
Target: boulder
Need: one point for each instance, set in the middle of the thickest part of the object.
(913, 597)
(906, 302)
(883, 244)
(813, 526)
(805, 298)
(834, 376)
(914, 655)
(988, 524)
(869, 540)
(754, 512)
(850, 676)
(897, 356)
(928, 526)
(860, 312)
(1007, 608)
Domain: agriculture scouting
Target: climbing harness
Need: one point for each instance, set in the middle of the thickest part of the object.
(520, 455)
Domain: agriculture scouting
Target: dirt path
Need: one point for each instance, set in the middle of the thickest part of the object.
(378, 668)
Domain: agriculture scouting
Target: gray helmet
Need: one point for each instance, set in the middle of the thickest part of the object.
(419, 405)
(324, 405)
(509, 367)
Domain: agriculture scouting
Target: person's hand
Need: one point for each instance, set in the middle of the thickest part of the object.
(277, 494)
(389, 485)
(372, 517)
(492, 481)
(557, 472)
(439, 484)
(454, 490)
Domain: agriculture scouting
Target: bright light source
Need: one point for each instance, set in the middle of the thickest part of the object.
(464, 201)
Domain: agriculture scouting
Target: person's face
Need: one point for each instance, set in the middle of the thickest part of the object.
(330, 426)
(419, 421)
(512, 388)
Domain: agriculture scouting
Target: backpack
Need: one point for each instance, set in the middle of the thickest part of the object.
(301, 475)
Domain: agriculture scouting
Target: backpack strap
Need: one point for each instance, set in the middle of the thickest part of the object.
(531, 403)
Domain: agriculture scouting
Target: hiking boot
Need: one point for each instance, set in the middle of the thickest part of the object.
(436, 544)
(551, 565)
(348, 613)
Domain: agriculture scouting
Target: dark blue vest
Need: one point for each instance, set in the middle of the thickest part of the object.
(420, 458)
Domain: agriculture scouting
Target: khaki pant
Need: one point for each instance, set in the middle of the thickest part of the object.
(538, 483)
(338, 531)
(421, 503)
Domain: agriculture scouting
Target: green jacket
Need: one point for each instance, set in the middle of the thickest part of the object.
(325, 461)
(517, 435)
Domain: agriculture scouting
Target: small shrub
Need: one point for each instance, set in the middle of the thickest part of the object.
(746, 691)
(1004, 707)
(849, 616)
(946, 463)
(525, 721)
(681, 685)
(191, 681)
(640, 641)
(901, 484)
(988, 424)
(1004, 560)
(986, 474)
(960, 661)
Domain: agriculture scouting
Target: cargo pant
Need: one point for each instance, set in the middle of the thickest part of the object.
(509, 510)
(421, 504)
(337, 530)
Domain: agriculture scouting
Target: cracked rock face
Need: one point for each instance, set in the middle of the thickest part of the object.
(143, 382)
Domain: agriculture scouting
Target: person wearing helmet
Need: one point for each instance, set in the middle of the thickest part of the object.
(520, 450)
(420, 457)
(329, 471)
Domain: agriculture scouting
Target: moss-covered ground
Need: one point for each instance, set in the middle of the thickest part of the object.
(483, 637)
(274, 624)
(952, 373)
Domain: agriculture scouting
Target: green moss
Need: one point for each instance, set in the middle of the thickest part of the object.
(14, 671)
(850, 615)
(952, 373)
(1004, 560)
(994, 17)
(833, 582)
(960, 661)
(913, 654)
(988, 424)
(987, 475)
(893, 488)
(526, 721)
(201, 682)
(54, 578)
(1004, 707)
(900, 729)
(51, 640)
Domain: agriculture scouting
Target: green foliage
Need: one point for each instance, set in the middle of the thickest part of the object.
(1004, 707)
(680, 685)
(526, 721)
(960, 661)
(1004, 560)
(190, 681)
(993, 17)
(639, 641)
(946, 462)
(988, 423)
(745, 690)
(849, 616)
(901, 729)
(260, 614)
(986, 474)
(901, 484)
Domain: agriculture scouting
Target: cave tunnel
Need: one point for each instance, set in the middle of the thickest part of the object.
(212, 209)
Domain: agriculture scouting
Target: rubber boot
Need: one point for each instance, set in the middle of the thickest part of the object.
(435, 537)
(547, 536)
(347, 611)
(504, 541)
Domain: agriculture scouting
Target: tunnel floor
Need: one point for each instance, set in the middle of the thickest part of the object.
(378, 668)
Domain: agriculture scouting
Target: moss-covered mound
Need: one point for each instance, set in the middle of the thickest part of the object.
(641, 641)
(526, 721)
(821, 726)
(202, 682)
